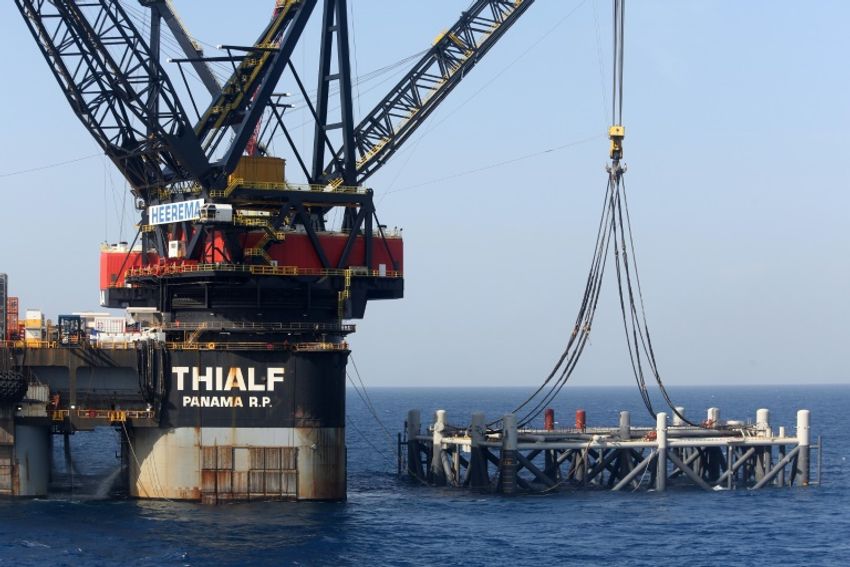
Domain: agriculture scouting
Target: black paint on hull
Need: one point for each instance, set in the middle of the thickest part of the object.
(208, 388)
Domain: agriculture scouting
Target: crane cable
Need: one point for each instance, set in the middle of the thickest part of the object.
(614, 225)
(606, 231)
(617, 81)
(634, 323)
(566, 363)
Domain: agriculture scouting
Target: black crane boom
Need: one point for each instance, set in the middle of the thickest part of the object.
(107, 73)
(123, 96)
(165, 10)
(380, 134)
(119, 91)
(245, 95)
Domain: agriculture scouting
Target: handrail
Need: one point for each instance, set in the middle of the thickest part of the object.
(113, 416)
(241, 183)
(29, 343)
(115, 345)
(216, 326)
(235, 345)
(174, 269)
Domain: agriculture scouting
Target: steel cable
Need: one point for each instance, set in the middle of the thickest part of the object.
(640, 324)
(568, 360)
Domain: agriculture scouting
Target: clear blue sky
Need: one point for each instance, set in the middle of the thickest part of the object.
(736, 116)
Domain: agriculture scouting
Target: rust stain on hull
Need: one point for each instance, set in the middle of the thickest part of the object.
(240, 464)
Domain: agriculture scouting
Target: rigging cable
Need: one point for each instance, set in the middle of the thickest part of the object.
(367, 401)
(49, 165)
(615, 225)
(584, 320)
(640, 338)
(634, 323)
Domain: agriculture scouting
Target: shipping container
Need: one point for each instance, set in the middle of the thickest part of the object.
(212, 212)
(110, 325)
(11, 326)
(71, 330)
(118, 338)
(34, 319)
(34, 314)
(252, 169)
(176, 249)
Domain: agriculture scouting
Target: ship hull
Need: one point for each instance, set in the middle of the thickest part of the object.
(245, 425)
(216, 464)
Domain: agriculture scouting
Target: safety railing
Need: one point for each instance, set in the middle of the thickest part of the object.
(240, 183)
(112, 416)
(256, 345)
(176, 269)
(115, 345)
(245, 220)
(252, 326)
(329, 188)
(320, 347)
(98, 345)
(30, 343)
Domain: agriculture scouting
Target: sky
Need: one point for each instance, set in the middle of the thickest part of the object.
(736, 117)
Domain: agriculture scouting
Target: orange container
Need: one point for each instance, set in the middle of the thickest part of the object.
(253, 169)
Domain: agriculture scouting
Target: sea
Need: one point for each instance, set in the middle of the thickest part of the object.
(389, 520)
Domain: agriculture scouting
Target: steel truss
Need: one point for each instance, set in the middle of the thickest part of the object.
(119, 92)
(432, 78)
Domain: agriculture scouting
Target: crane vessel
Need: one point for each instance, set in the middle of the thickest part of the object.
(236, 389)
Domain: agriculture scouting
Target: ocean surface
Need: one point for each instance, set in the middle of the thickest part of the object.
(390, 521)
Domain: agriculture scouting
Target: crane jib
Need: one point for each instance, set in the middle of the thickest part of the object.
(94, 49)
(432, 78)
(118, 90)
(238, 89)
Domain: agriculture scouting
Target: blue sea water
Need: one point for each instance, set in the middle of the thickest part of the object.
(388, 521)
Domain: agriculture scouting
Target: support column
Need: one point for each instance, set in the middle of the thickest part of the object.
(438, 474)
(713, 455)
(478, 475)
(624, 456)
(730, 467)
(549, 419)
(8, 470)
(765, 459)
(679, 422)
(803, 437)
(551, 467)
(508, 461)
(763, 422)
(625, 426)
(661, 438)
(414, 462)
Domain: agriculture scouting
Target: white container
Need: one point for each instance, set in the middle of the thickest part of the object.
(38, 393)
(176, 249)
(34, 334)
(110, 325)
(34, 319)
(211, 212)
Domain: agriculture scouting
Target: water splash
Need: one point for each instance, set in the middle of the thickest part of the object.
(105, 486)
